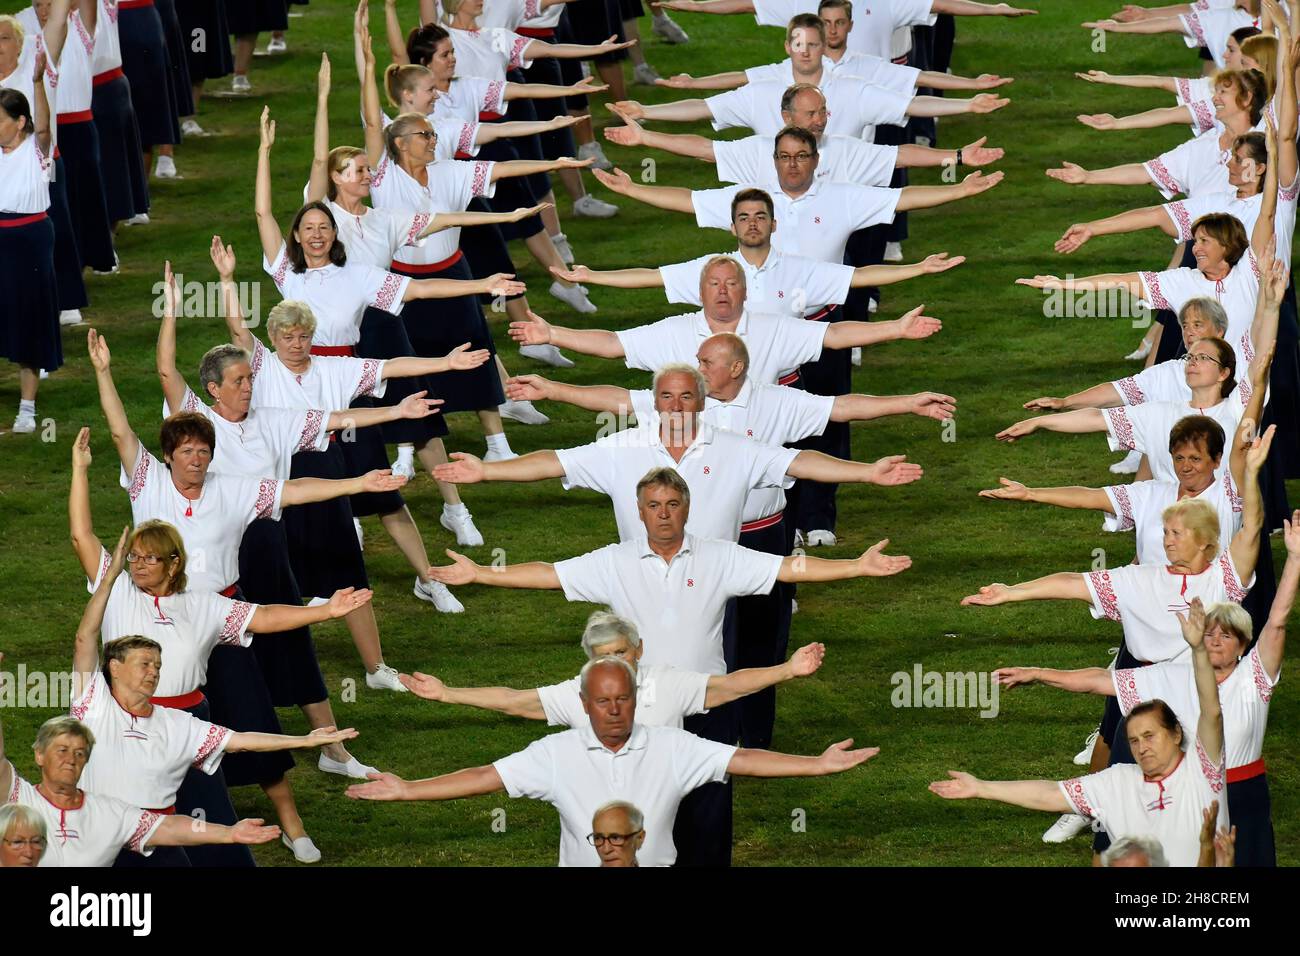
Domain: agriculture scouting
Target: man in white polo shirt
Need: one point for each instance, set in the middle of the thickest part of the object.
(614, 757)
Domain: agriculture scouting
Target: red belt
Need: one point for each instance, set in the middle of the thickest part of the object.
(165, 811)
(57, 154)
(133, 4)
(901, 60)
(537, 33)
(788, 379)
(332, 350)
(81, 116)
(431, 267)
(460, 155)
(21, 220)
(110, 76)
(183, 702)
(759, 524)
(230, 591)
(821, 313)
(1246, 771)
(489, 117)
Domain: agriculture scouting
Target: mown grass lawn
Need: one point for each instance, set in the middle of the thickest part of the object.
(996, 351)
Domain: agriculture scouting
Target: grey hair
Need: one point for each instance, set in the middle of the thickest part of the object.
(1208, 308)
(604, 627)
(729, 261)
(668, 478)
(681, 368)
(16, 815)
(1131, 846)
(787, 98)
(19, 33)
(635, 818)
(1233, 619)
(290, 314)
(215, 361)
(584, 675)
(57, 727)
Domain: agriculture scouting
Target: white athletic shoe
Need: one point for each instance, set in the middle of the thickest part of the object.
(165, 168)
(1141, 352)
(1128, 465)
(24, 424)
(70, 317)
(462, 526)
(361, 534)
(304, 851)
(593, 150)
(561, 243)
(139, 219)
(117, 267)
(573, 297)
(1069, 826)
(546, 354)
(436, 593)
(667, 30)
(923, 141)
(404, 468)
(855, 356)
(522, 412)
(191, 127)
(276, 45)
(893, 252)
(354, 768)
(1084, 756)
(495, 455)
(798, 538)
(873, 305)
(645, 74)
(44, 374)
(589, 207)
(239, 84)
(385, 678)
(818, 539)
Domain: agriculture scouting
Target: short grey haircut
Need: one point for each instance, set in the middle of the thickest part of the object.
(57, 727)
(788, 97)
(1132, 846)
(1209, 309)
(727, 261)
(668, 478)
(635, 818)
(14, 815)
(680, 368)
(1233, 620)
(290, 314)
(605, 627)
(215, 361)
(584, 675)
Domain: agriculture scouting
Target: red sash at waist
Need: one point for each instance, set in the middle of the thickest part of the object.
(20, 220)
(183, 702)
(788, 379)
(537, 33)
(81, 116)
(333, 350)
(486, 117)
(165, 811)
(230, 591)
(133, 4)
(821, 313)
(110, 75)
(430, 268)
(1247, 771)
(758, 524)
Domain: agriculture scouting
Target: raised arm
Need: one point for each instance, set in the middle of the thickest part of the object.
(56, 29)
(1261, 236)
(41, 106)
(1030, 794)
(505, 700)
(173, 383)
(672, 198)
(615, 278)
(533, 576)
(1272, 638)
(925, 197)
(1245, 543)
(85, 648)
(128, 445)
(465, 469)
(724, 688)
(1148, 217)
(372, 113)
(392, 29)
(593, 398)
(1074, 496)
(274, 618)
(872, 563)
(537, 331)
(1209, 725)
(85, 542)
(1081, 421)
(682, 144)
(223, 258)
(267, 228)
(1061, 586)
(7, 770)
(450, 786)
(319, 180)
(836, 758)
(1239, 445)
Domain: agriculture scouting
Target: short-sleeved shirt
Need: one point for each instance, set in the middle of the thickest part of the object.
(1126, 804)
(489, 53)
(211, 525)
(783, 285)
(331, 381)
(338, 295)
(1147, 598)
(874, 21)
(721, 469)
(92, 834)
(1184, 212)
(1146, 428)
(1210, 28)
(1139, 506)
(577, 774)
(1161, 382)
(844, 159)
(451, 186)
(854, 107)
(375, 236)
(1244, 696)
(872, 69)
(677, 606)
(468, 97)
(143, 760)
(1194, 167)
(264, 443)
(664, 696)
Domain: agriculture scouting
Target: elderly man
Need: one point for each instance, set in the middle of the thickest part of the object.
(617, 833)
(1135, 851)
(613, 757)
(722, 468)
(675, 587)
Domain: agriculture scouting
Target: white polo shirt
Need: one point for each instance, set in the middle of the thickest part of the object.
(840, 159)
(577, 774)
(92, 834)
(331, 381)
(783, 285)
(854, 107)
(1146, 599)
(1244, 696)
(187, 625)
(874, 21)
(1162, 382)
(775, 342)
(211, 525)
(1139, 505)
(1146, 428)
(1128, 805)
(720, 468)
(677, 606)
(874, 70)
(143, 760)
(338, 295)
(664, 696)
(817, 224)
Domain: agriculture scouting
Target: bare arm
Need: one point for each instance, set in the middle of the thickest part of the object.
(678, 111)
(1149, 119)
(682, 144)
(173, 383)
(318, 182)
(926, 197)
(505, 700)
(1209, 725)
(56, 29)
(529, 167)
(85, 649)
(537, 331)
(914, 325)
(450, 786)
(85, 542)
(1138, 81)
(867, 276)
(274, 618)
(1272, 638)
(953, 106)
(614, 278)
(372, 113)
(593, 398)
(125, 440)
(1062, 586)
(1103, 395)
(7, 770)
(1129, 281)
(1078, 422)
(1148, 26)
(717, 81)
(1086, 680)
(672, 198)
(1074, 496)
(1245, 543)
(724, 688)
(533, 575)
(1130, 174)
(872, 563)
(393, 30)
(223, 257)
(968, 8)
(268, 229)
(540, 49)
(245, 742)
(861, 408)
(1030, 794)
(1148, 217)
(836, 758)
(815, 466)
(301, 491)
(708, 6)
(41, 107)
(453, 220)
(182, 831)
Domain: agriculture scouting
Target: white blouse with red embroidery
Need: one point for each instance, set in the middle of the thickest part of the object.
(451, 187)
(1146, 428)
(1139, 505)
(331, 381)
(92, 834)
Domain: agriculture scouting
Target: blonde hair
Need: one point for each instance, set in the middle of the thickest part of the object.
(290, 314)
(57, 727)
(164, 540)
(19, 34)
(14, 815)
(401, 78)
(1263, 50)
(1199, 517)
(405, 123)
(729, 261)
(339, 158)
(1232, 619)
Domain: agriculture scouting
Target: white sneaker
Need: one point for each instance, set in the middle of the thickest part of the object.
(117, 267)
(1065, 829)
(561, 243)
(165, 168)
(276, 45)
(1140, 353)
(304, 851)
(589, 207)
(593, 150)
(644, 74)
(495, 455)
(139, 219)
(1084, 756)
(873, 306)
(819, 539)
(385, 678)
(573, 297)
(923, 141)
(436, 593)
(354, 768)
(1128, 465)
(404, 468)
(546, 354)
(190, 127)
(24, 424)
(43, 375)
(70, 317)
(523, 412)
(462, 526)
(239, 84)
(361, 534)
(893, 252)
(855, 356)
(668, 31)
(798, 538)
(794, 606)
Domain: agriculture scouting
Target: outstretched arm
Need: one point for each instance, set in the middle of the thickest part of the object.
(1148, 119)
(182, 831)
(245, 742)
(1075, 496)
(707, 6)
(466, 469)
(539, 49)
(537, 331)
(1139, 81)
(1086, 680)
(593, 398)
(505, 700)
(1030, 794)
(1149, 217)
(730, 80)
(614, 278)
(1130, 174)
(275, 618)
(872, 563)
(682, 144)
(450, 786)
(1062, 586)
(867, 276)
(672, 198)
(302, 491)
(1081, 421)
(968, 8)
(836, 758)
(890, 470)
(1103, 395)
(128, 445)
(925, 197)
(1148, 26)
(724, 688)
(1129, 281)
(530, 167)
(849, 334)
(861, 408)
(85, 542)
(534, 575)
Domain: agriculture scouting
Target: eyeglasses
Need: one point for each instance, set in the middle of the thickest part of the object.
(797, 157)
(1201, 357)
(36, 843)
(428, 134)
(149, 560)
(616, 839)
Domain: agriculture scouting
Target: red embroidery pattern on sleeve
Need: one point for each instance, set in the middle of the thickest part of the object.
(481, 172)
(1193, 22)
(1074, 793)
(1131, 391)
(1106, 594)
(492, 97)
(266, 497)
(1183, 88)
(1212, 772)
(1248, 350)
(1231, 583)
(311, 429)
(1254, 263)
(87, 40)
(379, 172)
(417, 226)
(1128, 693)
(1230, 489)
(1158, 171)
(387, 294)
(1289, 193)
(147, 821)
(466, 141)
(1152, 281)
(532, 9)
(1202, 117)
(1181, 219)
(1120, 426)
(236, 623)
(51, 71)
(110, 7)
(1262, 686)
(1125, 506)
(80, 707)
(281, 269)
(105, 559)
(517, 52)
(141, 475)
(191, 403)
(259, 354)
(216, 735)
(369, 378)
(13, 792)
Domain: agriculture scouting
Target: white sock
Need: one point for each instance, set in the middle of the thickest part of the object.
(405, 453)
(459, 510)
(498, 442)
(26, 407)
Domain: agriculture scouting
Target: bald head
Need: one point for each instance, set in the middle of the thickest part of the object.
(724, 363)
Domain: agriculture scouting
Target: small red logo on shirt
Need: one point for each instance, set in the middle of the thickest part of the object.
(780, 294)
(817, 219)
(749, 433)
(706, 469)
(690, 582)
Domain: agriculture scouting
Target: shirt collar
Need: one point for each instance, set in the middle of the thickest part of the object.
(637, 741)
(743, 397)
(702, 323)
(688, 546)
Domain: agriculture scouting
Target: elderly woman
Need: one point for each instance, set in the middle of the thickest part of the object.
(1200, 27)
(22, 836)
(1164, 795)
(1245, 680)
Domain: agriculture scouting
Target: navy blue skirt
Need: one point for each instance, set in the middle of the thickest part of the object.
(560, 142)
(29, 308)
(1250, 811)
(321, 540)
(87, 206)
(67, 257)
(213, 59)
(208, 795)
(176, 58)
(120, 154)
(514, 192)
(147, 65)
(256, 16)
(384, 336)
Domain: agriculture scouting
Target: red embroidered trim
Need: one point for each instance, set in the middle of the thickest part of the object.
(1105, 594)
(1262, 685)
(281, 269)
(141, 475)
(1127, 688)
(80, 708)
(517, 52)
(466, 141)
(379, 172)
(493, 101)
(1120, 426)
(1236, 591)
(191, 403)
(87, 40)
(236, 623)
(388, 291)
(266, 497)
(417, 226)
(311, 427)
(105, 559)
(1157, 169)
(481, 173)
(216, 735)
(148, 819)
(1184, 90)
(1074, 793)
(259, 354)
(1193, 22)
(1131, 391)
(369, 378)
(1181, 219)
(1202, 118)
(532, 9)
(1125, 507)
(1230, 489)
(1213, 773)
(1152, 281)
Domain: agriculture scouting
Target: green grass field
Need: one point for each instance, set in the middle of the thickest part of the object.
(996, 351)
